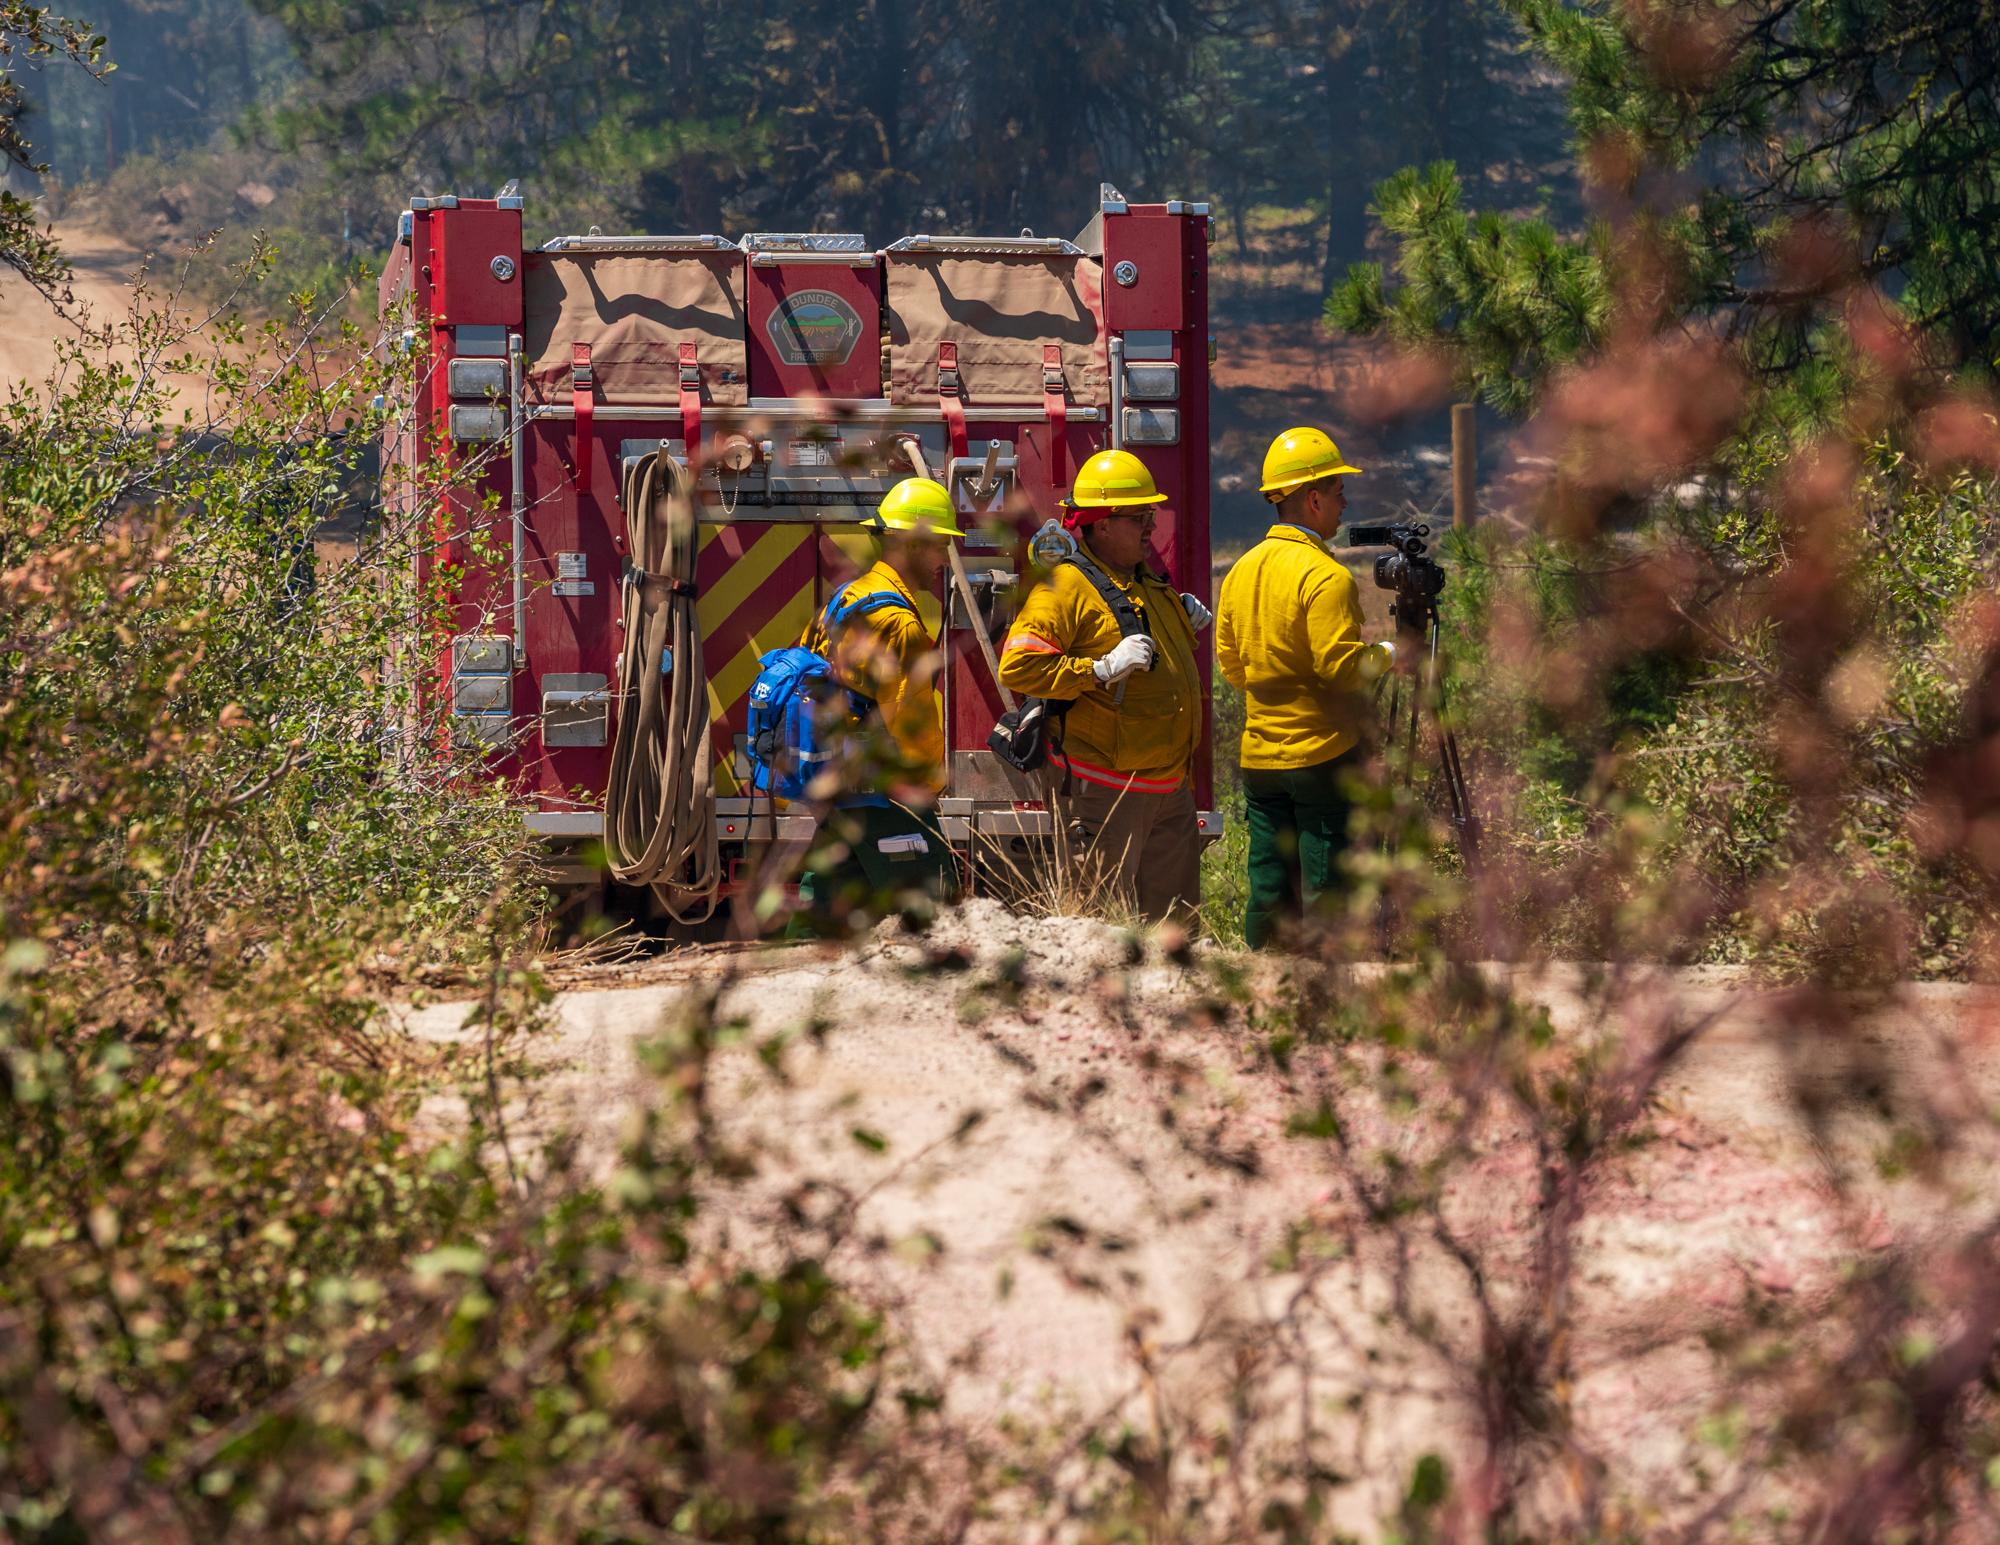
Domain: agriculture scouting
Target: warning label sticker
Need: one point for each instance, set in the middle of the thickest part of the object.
(575, 587)
(810, 453)
(571, 565)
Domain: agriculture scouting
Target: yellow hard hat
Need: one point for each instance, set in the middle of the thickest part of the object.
(1298, 457)
(917, 504)
(1111, 479)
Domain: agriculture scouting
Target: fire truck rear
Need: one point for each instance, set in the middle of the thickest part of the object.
(792, 379)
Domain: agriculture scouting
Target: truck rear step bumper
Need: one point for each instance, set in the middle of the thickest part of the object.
(734, 822)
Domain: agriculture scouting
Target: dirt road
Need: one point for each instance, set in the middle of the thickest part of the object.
(31, 327)
(1079, 1176)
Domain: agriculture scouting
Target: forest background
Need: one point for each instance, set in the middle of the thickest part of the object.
(303, 129)
(885, 117)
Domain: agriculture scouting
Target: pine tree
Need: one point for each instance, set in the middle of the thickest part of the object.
(1512, 297)
(1769, 158)
(727, 115)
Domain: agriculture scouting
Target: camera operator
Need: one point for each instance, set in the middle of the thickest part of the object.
(1288, 635)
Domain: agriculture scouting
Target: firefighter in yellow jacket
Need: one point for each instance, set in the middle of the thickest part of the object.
(1133, 705)
(1288, 634)
(881, 837)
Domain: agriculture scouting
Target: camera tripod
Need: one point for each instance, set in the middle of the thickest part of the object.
(1415, 694)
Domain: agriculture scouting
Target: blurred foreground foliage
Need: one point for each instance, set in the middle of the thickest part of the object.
(275, 1269)
(1755, 502)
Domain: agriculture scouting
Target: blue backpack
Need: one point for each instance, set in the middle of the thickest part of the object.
(794, 731)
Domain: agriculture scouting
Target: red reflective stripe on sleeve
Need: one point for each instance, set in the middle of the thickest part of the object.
(1029, 643)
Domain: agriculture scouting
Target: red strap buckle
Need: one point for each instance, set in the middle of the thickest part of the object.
(951, 398)
(691, 406)
(582, 397)
(1055, 402)
(1052, 372)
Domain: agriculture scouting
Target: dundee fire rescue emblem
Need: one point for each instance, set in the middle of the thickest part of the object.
(814, 327)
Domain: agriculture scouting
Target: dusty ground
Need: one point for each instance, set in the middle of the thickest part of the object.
(1091, 1185)
(31, 328)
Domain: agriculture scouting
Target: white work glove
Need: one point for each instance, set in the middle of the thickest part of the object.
(1199, 616)
(1376, 660)
(1130, 654)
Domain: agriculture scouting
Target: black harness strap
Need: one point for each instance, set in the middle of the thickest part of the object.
(1123, 612)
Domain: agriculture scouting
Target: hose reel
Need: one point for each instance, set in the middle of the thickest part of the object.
(659, 801)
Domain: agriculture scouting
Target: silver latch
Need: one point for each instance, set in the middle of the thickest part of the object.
(576, 708)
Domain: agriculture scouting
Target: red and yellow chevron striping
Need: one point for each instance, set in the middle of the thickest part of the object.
(757, 588)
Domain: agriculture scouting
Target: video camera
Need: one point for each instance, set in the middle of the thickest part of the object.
(1409, 571)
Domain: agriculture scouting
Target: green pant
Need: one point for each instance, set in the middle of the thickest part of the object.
(870, 859)
(1297, 817)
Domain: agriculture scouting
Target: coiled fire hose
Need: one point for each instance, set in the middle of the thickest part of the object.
(659, 806)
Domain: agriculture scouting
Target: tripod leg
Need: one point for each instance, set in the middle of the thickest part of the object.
(1464, 823)
(1462, 819)
(1395, 718)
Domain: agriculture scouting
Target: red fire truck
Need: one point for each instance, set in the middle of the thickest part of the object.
(791, 379)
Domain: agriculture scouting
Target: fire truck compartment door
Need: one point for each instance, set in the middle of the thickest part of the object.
(635, 311)
(1000, 310)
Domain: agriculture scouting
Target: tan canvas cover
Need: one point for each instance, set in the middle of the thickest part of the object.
(1000, 311)
(635, 311)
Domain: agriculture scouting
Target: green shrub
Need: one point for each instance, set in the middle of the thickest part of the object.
(253, 1292)
(1657, 680)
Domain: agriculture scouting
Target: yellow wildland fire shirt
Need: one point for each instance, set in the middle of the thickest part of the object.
(890, 656)
(1147, 742)
(1288, 634)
